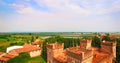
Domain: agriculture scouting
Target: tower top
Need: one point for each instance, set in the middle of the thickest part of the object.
(55, 45)
(107, 43)
(85, 44)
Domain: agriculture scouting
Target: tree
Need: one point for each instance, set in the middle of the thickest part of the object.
(118, 54)
(96, 41)
(106, 38)
(32, 39)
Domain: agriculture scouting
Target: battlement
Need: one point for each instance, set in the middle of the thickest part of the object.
(109, 47)
(77, 53)
(55, 45)
(107, 43)
(85, 44)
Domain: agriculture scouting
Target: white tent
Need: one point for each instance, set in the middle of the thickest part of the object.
(12, 48)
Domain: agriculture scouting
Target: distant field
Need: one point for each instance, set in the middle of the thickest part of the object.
(3, 40)
(4, 43)
(38, 59)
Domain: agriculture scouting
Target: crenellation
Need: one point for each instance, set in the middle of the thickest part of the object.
(84, 53)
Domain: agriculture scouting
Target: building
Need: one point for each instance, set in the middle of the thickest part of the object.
(31, 49)
(36, 43)
(13, 51)
(80, 54)
(55, 53)
(84, 53)
(5, 57)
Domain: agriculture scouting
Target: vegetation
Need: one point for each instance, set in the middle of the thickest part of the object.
(11, 39)
(96, 42)
(22, 58)
(38, 59)
(25, 58)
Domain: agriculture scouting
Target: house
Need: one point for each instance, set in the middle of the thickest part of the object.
(31, 49)
(13, 51)
(5, 57)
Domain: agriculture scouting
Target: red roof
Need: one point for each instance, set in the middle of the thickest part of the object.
(27, 48)
(98, 56)
(35, 43)
(112, 36)
(6, 57)
(62, 58)
(1, 53)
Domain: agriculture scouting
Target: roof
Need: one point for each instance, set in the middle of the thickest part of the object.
(20, 50)
(6, 57)
(13, 47)
(9, 56)
(35, 43)
(61, 58)
(1, 53)
(78, 53)
(26, 48)
(99, 56)
(78, 50)
(112, 36)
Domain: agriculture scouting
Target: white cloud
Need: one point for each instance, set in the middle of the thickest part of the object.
(88, 7)
(84, 7)
(62, 6)
(25, 10)
(99, 6)
(14, 5)
(65, 15)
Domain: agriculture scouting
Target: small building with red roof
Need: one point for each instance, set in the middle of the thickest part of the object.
(31, 49)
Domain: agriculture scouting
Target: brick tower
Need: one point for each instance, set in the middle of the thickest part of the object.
(85, 44)
(82, 54)
(53, 50)
(109, 47)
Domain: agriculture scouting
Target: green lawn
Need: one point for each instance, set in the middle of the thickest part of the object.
(38, 59)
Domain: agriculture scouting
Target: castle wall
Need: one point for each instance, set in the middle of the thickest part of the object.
(53, 50)
(109, 47)
(49, 55)
(85, 44)
(107, 59)
(87, 60)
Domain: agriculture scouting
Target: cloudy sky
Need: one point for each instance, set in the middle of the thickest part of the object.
(59, 15)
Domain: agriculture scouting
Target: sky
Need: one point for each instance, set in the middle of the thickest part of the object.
(59, 15)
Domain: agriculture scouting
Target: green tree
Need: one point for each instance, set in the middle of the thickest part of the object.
(32, 39)
(96, 41)
(118, 54)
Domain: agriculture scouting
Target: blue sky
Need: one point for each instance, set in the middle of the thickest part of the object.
(59, 15)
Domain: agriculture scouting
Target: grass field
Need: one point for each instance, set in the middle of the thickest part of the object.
(38, 59)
